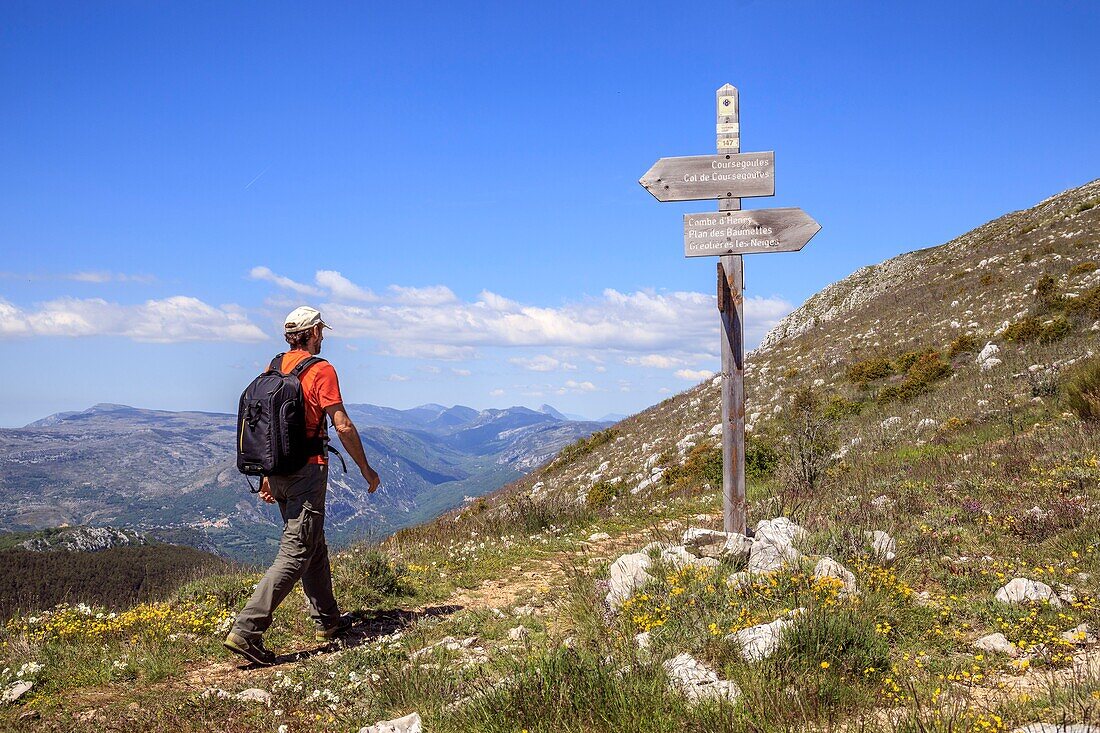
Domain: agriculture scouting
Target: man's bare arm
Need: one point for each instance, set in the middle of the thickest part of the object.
(349, 438)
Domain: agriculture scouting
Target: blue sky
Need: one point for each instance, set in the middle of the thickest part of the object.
(456, 185)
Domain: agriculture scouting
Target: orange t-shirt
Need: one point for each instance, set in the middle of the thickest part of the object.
(321, 389)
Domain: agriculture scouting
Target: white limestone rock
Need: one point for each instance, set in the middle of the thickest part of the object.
(254, 694)
(720, 545)
(883, 546)
(697, 682)
(988, 353)
(827, 567)
(761, 641)
(599, 537)
(772, 544)
(408, 724)
(740, 581)
(1081, 634)
(737, 548)
(14, 691)
(1058, 728)
(519, 633)
(997, 643)
(1022, 590)
(627, 573)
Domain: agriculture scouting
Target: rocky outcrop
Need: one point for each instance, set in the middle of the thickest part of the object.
(697, 682)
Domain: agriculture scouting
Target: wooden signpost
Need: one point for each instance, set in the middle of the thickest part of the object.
(729, 233)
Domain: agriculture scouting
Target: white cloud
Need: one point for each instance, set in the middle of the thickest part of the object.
(461, 372)
(413, 350)
(644, 321)
(655, 361)
(87, 276)
(174, 319)
(397, 378)
(667, 329)
(264, 273)
(496, 393)
(429, 368)
(432, 295)
(342, 288)
(108, 277)
(694, 375)
(572, 385)
(543, 363)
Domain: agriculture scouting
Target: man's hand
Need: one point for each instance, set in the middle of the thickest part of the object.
(372, 479)
(265, 491)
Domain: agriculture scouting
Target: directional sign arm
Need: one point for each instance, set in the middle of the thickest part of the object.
(723, 176)
(747, 232)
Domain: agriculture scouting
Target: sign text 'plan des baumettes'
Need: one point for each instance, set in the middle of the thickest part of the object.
(747, 232)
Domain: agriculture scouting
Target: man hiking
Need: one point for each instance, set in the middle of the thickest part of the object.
(303, 553)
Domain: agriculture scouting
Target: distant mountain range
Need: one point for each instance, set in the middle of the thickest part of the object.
(173, 476)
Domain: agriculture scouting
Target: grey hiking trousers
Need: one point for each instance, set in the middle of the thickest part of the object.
(303, 554)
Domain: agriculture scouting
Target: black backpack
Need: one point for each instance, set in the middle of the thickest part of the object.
(271, 423)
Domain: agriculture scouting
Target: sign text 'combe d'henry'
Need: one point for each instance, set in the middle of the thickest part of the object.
(746, 232)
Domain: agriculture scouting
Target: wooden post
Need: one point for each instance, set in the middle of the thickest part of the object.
(731, 281)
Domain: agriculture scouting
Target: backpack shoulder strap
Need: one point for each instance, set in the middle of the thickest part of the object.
(276, 364)
(305, 364)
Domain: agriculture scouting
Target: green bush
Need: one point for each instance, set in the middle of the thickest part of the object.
(601, 495)
(868, 370)
(702, 465)
(838, 407)
(1058, 328)
(962, 344)
(1086, 303)
(1023, 330)
(906, 360)
(1081, 390)
(928, 367)
(583, 446)
(1046, 292)
(1082, 268)
(761, 459)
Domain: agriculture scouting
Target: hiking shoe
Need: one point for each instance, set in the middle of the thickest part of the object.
(338, 629)
(253, 651)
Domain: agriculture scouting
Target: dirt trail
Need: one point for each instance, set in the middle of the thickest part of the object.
(525, 583)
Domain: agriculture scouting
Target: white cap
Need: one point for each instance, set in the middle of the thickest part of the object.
(303, 319)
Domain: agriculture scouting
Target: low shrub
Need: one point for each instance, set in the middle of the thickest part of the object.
(583, 446)
(761, 458)
(869, 370)
(962, 344)
(1046, 292)
(1082, 391)
(369, 576)
(1024, 330)
(1086, 303)
(702, 465)
(1055, 330)
(926, 368)
(1082, 268)
(838, 407)
(601, 495)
